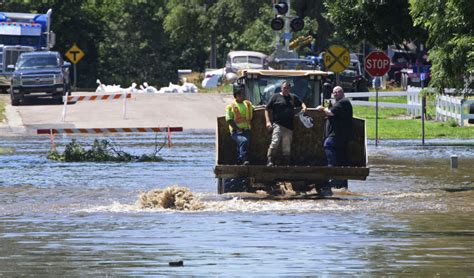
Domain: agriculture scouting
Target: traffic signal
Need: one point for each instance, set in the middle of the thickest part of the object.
(281, 7)
(297, 24)
(277, 24)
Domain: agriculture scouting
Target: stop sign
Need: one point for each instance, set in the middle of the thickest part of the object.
(377, 63)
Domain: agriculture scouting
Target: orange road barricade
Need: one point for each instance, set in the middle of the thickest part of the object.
(52, 131)
(116, 96)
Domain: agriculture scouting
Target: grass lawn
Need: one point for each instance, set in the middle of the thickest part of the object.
(223, 88)
(393, 123)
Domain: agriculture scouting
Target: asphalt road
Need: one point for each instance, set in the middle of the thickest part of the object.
(190, 111)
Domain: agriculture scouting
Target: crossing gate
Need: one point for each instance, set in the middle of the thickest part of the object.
(110, 97)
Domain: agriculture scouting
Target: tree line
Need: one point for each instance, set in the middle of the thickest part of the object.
(129, 41)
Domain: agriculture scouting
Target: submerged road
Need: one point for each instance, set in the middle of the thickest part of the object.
(190, 111)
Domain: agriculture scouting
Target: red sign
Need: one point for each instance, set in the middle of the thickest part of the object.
(377, 63)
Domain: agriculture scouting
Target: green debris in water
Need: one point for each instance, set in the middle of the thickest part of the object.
(7, 150)
(100, 151)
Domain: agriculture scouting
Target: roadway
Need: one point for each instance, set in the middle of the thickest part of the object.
(190, 111)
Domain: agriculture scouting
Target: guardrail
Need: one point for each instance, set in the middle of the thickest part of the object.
(116, 96)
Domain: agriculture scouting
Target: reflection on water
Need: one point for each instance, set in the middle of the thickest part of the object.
(412, 217)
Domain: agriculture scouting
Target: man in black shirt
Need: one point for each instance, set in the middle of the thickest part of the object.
(338, 130)
(281, 107)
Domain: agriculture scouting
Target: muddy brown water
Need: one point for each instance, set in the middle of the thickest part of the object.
(414, 216)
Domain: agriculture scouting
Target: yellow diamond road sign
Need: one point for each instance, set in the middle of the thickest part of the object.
(336, 58)
(74, 54)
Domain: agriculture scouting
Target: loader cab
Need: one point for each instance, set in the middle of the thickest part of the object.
(260, 85)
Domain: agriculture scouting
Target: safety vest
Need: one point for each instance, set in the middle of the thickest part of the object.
(240, 121)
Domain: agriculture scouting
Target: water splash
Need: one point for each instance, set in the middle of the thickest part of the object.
(172, 197)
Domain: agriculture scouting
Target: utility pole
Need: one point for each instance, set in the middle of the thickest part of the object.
(213, 51)
(283, 20)
(287, 36)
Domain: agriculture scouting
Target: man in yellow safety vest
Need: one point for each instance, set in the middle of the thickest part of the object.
(239, 116)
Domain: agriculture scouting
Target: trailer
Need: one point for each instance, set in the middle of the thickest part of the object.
(308, 171)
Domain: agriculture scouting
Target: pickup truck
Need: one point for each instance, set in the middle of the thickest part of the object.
(42, 73)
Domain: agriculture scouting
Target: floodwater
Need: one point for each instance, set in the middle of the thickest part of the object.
(414, 216)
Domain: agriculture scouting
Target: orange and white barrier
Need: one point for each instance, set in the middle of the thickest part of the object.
(106, 130)
(52, 131)
(115, 96)
(98, 97)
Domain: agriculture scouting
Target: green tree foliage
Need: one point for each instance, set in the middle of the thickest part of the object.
(183, 22)
(319, 26)
(381, 23)
(129, 41)
(235, 24)
(135, 47)
(100, 151)
(123, 40)
(451, 38)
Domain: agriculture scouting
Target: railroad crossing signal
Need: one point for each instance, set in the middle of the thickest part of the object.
(377, 63)
(336, 58)
(74, 54)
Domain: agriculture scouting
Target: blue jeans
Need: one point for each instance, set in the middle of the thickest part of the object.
(335, 155)
(242, 140)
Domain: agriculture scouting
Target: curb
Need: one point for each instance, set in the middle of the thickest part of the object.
(13, 124)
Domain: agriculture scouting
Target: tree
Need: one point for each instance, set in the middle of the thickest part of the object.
(381, 23)
(315, 10)
(183, 23)
(234, 24)
(135, 47)
(450, 25)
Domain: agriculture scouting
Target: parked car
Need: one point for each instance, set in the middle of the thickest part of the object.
(308, 63)
(237, 60)
(42, 73)
(415, 75)
(401, 59)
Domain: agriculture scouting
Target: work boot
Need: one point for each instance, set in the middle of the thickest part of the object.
(270, 156)
(339, 184)
(270, 162)
(286, 160)
(326, 192)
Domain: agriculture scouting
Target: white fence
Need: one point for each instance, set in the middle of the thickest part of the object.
(447, 106)
(453, 107)
(413, 104)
